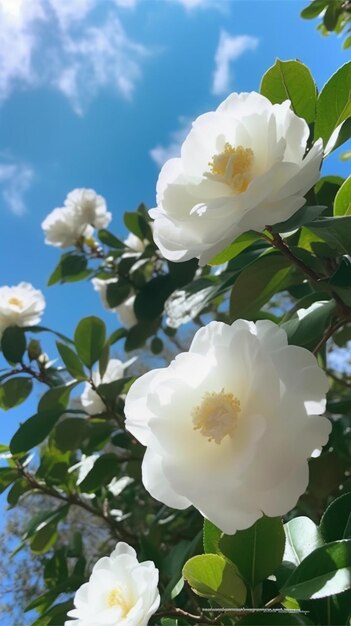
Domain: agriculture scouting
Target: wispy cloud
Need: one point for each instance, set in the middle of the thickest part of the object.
(160, 154)
(15, 180)
(202, 4)
(82, 58)
(229, 49)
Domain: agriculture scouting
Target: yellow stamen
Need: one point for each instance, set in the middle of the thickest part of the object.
(216, 416)
(116, 599)
(16, 302)
(234, 165)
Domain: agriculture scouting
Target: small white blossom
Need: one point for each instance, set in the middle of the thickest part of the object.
(20, 305)
(117, 485)
(230, 424)
(91, 401)
(242, 167)
(133, 242)
(84, 210)
(120, 591)
(84, 466)
(89, 207)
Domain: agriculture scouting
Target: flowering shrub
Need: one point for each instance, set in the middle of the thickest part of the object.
(242, 499)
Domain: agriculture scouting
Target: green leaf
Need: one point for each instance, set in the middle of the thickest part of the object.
(156, 345)
(335, 231)
(117, 293)
(347, 43)
(150, 300)
(13, 344)
(110, 240)
(342, 203)
(314, 9)
(211, 537)
(110, 391)
(34, 430)
(139, 333)
(70, 267)
(8, 475)
(134, 223)
(234, 249)
(302, 537)
(70, 433)
(256, 551)
(118, 334)
(14, 391)
(324, 572)
(44, 539)
(71, 361)
(301, 217)
(326, 189)
(336, 520)
(291, 80)
(55, 398)
(211, 576)
(342, 135)
(105, 468)
(182, 273)
(258, 282)
(334, 103)
(89, 339)
(308, 330)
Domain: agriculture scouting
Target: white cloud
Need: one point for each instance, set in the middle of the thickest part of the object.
(15, 180)
(160, 154)
(229, 49)
(202, 4)
(77, 58)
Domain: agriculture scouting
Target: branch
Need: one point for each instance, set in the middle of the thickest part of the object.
(329, 333)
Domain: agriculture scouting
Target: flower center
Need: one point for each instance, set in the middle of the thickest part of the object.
(116, 599)
(216, 416)
(16, 302)
(234, 165)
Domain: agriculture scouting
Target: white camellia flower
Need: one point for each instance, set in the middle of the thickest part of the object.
(20, 305)
(134, 243)
(90, 400)
(242, 167)
(230, 424)
(120, 591)
(89, 207)
(84, 210)
(125, 311)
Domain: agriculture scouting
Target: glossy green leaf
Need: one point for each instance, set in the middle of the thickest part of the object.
(342, 203)
(117, 293)
(55, 398)
(258, 282)
(150, 300)
(335, 231)
(182, 273)
(34, 430)
(13, 344)
(291, 80)
(211, 576)
(324, 572)
(110, 240)
(118, 334)
(302, 537)
(71, 267)
(71, 361)
(211, 537)
(105, 468)
(138, 334)
(14, 391)
(314, 9)
(70, 432)
(110, 391)
(89, 339)
(256, 551)
(8, 475)
(301, 217)
(44, 538)
(308, 330)
(334, 103)
(326, 189)
(234, 249)
(336, 520)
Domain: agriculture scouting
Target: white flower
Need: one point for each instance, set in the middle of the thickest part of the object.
(63, 228)
(84, 210)
(125, 311)
(242, 167)
(133, 242)
(116, 486)
(20, 305)
(91, 401)
(230, 424)
(84, 466)
(120, 591)
(89, 207)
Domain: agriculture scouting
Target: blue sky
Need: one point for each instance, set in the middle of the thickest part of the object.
(97, 93)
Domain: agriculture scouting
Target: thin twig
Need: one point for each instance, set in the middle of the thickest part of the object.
(329, 333)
